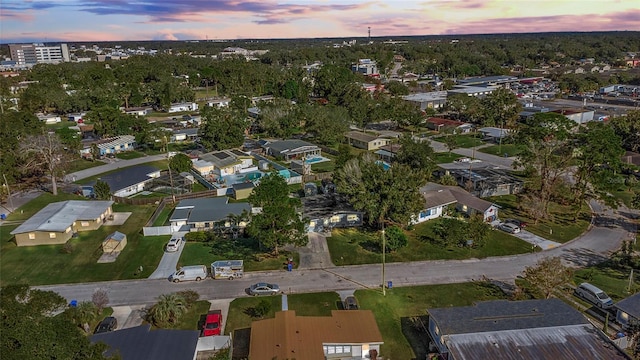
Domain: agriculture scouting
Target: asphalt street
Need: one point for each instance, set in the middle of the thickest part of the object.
(590, 248)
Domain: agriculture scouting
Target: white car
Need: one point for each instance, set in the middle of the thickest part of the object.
(509, 227)
(174, 244)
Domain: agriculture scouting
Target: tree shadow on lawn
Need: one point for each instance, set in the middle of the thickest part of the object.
(415, 331)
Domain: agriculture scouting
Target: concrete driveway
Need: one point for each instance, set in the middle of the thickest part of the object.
(536, 240)
(168, 263)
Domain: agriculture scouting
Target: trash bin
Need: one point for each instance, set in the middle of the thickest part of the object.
(389, 284)
(3, 216)
(289, 266)
(73, 303)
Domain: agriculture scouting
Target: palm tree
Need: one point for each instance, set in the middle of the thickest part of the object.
(167, 310)
(84, 314)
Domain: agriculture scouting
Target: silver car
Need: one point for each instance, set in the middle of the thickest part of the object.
(509, 227)
(174, 244)
(264, 289)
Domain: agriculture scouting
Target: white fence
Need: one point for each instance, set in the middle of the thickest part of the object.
(157, 230)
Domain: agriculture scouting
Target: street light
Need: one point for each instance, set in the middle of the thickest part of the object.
(384, 250)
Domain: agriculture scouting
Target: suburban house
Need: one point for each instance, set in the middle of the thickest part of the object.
(76, 117)
(110, 146)
(292, 149)
(224, 162)
(365, 67)
(437, 197)
(482, 180)
(631, 158)
(49, 118)
(528, 330)
(346, 334)
(243, 190)
(184, 135)
(218, 103)
(362, 140)
(138, 111)
(578, 116)
(628, 310)
(130, 181)
(494, 134)
(142, 343)
(180, 107)
(206, 214)
(57, 222)
(387, 153)
(428, 100)
(328, 211)
(440, 124)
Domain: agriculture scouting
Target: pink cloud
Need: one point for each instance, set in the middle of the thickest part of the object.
(8, 15)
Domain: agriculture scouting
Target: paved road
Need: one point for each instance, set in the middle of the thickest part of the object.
(590, 248)
(117, 164)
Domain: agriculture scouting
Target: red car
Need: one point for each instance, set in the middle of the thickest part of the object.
(212, 323)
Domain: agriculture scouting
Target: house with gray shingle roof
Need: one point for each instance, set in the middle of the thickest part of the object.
(366, 141)
(57, 222)
(291, 149)
(437, 197)
(205, 214)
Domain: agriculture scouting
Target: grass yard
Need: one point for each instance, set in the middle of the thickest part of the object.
(82, 164)
(446, 157)
(561, 227)
(242, 249)
(48, 264)
(462, 141)
(395, 313)
(613, 281)
(398, 311)
(354, 247)
(128, 155)
(194, 317)
(327, 166)
(509, 149)
(161, 164)
(163, 218)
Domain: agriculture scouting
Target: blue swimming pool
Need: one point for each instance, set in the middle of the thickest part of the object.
(315, 159)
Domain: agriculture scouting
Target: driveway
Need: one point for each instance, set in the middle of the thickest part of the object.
(169, 261)
(536, 240)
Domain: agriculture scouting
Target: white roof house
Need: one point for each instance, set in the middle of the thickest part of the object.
(59, 216)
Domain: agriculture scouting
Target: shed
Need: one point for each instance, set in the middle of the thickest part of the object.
(114, 242)
(243, 190)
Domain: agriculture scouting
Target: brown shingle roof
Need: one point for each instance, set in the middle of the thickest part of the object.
(288, 336)
(436, 194)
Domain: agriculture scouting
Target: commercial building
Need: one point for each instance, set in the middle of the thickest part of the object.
(31, 54)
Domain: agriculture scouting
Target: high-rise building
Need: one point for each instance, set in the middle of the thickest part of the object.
(30, 54)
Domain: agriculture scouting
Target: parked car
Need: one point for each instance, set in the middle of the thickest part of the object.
(350, 303)
(594, 295)
(264, 289)
(516, 222)
(173, 244)
(510, 228)
(212, 323)
(107, 324)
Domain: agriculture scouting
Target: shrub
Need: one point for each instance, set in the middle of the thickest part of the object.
(396, 238)
(189, 296)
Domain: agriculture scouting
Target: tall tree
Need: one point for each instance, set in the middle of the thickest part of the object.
(328, 124)
(31, 329)
(383, 195)
(15, 126)
(628, 129)
(418, 155)
(548, 274)
(500, 108)
(279, 223)
(597, 162)
(548, 151)
(180, 163)
(47, 153)
(222, 128)
(102, 190)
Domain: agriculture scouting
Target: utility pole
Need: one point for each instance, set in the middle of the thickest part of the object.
(384, 250)
(6, 183)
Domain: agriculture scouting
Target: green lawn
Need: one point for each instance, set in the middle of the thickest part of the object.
(445, 158)
(327, 166)
(194, 317)
(241, 249)
(161, 164)
(163, 218)
(397, 312)
(509, 149)
(354, 247)
(47, 264)
(561, 227)
(613, 281)
(394, 312)
(81, 164)
(128, 155)
(462, 141)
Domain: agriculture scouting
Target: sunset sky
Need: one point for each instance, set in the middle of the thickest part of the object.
(110, 20)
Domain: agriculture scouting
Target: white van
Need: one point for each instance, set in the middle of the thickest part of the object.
(186, 273)
(594, 295)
